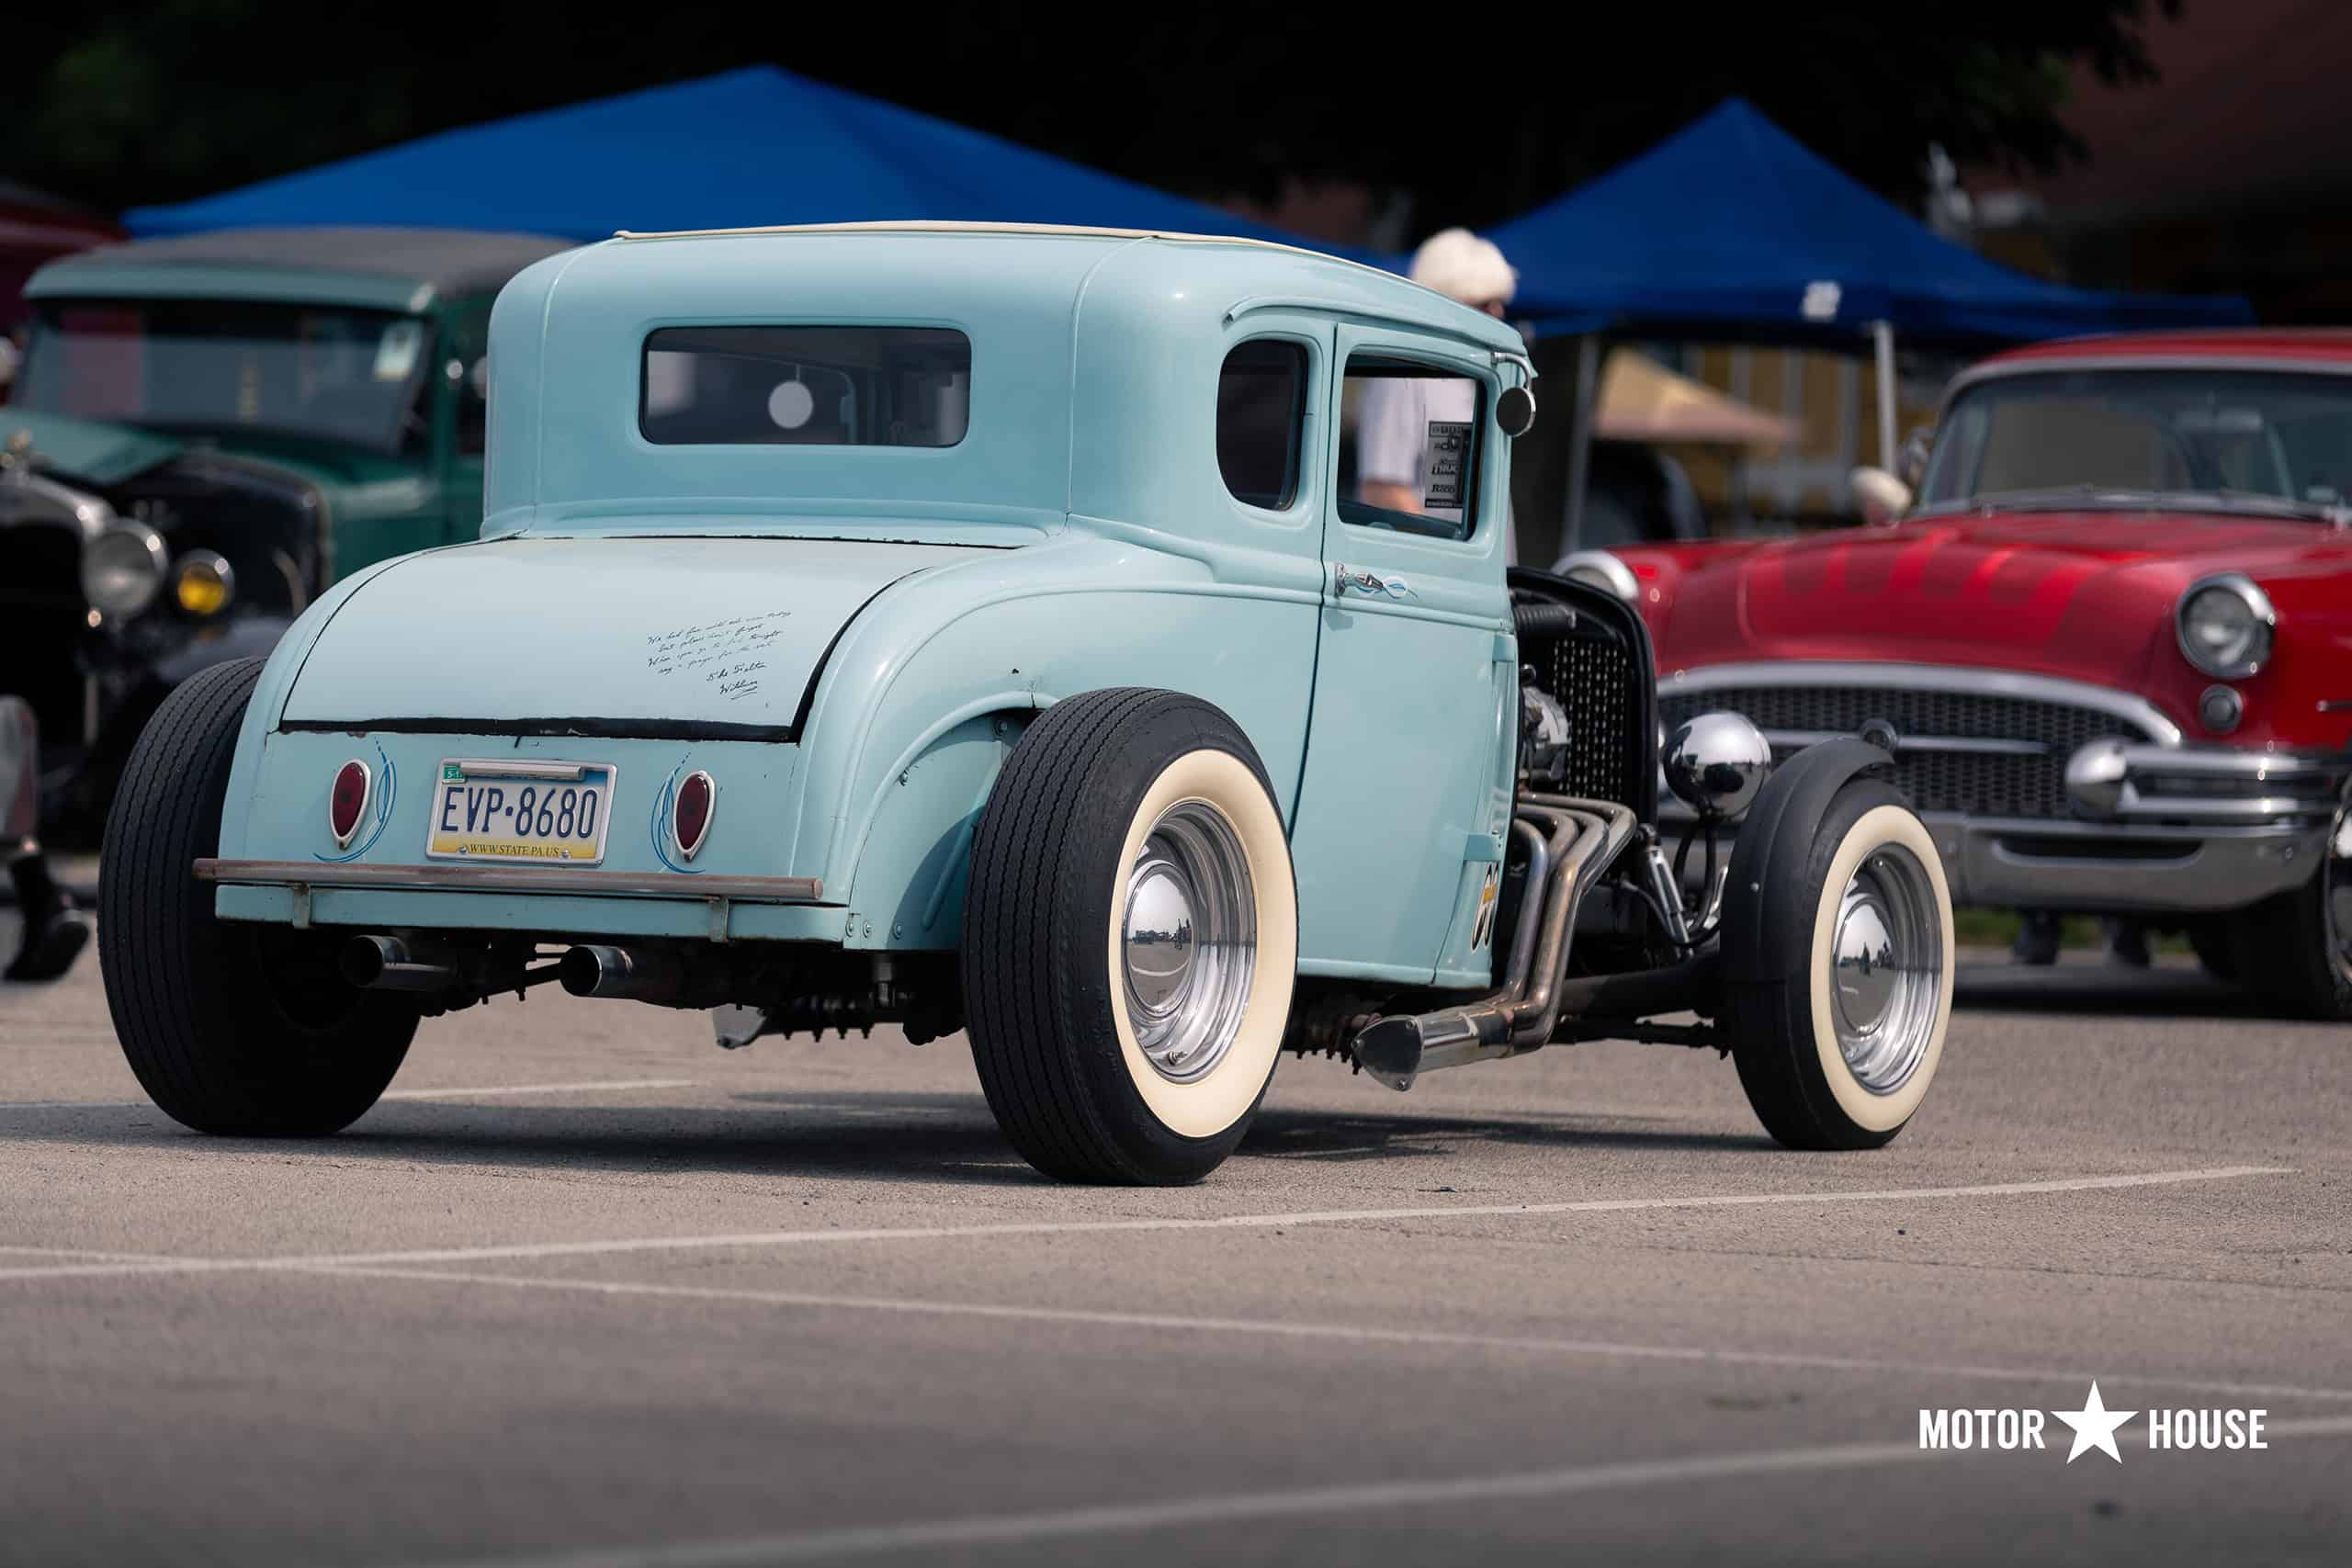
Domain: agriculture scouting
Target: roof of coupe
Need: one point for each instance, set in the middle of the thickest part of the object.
(1094, 363)
(1352, 286)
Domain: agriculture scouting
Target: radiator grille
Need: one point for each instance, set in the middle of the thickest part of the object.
(1989, 785)
(1594, 681)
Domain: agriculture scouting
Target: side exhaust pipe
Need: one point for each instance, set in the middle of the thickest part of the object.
(640, 975)
(1584, 838)
(384, 963)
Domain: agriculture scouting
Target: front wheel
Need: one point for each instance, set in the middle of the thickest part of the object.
(1130, 939)
(238, 1029)
(2293, 951)
(1837, 1048)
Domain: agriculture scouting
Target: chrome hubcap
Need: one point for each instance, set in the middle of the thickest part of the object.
(1887, 953)
(1188, 935)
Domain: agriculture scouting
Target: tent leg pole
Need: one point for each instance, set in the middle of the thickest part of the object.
(1580, 439)
(1883, 345)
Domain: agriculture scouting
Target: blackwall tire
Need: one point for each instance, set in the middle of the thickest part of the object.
(240, 1029)
(1130, 939)
(2294, 949)
(1840, 1057)
(2211, 938)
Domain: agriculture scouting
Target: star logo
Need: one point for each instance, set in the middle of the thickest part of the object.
(2094, 1426)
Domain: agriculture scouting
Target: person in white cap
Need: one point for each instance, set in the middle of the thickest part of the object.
(1393, 422)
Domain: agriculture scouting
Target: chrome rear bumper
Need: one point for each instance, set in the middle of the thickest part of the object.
(476, 878)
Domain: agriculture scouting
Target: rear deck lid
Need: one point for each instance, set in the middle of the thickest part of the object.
(620, 635)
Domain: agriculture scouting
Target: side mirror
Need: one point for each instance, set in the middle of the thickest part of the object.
(1881, 497)
(1911, 460)
(1515, 410)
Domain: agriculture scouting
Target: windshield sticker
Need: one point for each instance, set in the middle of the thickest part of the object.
(1445, 462)
(396, 352)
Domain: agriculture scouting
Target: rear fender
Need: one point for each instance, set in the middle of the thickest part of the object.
(909, 880)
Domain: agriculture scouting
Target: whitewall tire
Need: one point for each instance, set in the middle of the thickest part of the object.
(1838, 1050)
(1130, 939)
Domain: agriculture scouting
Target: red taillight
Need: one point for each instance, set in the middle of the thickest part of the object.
(348, 802)
(691, 820)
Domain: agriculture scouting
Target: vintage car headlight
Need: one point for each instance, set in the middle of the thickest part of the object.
(2224, 625)
(123, 568)
(1603, 571)
(204, 582)
(1715, 763)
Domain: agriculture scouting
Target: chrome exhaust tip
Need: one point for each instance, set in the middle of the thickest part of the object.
(1390, 1050)
(594, 969)
(384, 963)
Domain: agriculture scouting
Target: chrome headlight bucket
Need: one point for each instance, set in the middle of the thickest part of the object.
(1601, 570)
(2224, 625)
(123, 568)
(1714, 763)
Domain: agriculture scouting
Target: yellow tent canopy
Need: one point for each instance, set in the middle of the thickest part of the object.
(1642, 401)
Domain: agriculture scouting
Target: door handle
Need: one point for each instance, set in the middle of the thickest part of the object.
(1344, 577)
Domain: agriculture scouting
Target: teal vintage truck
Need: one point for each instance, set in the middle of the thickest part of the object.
(206, 434)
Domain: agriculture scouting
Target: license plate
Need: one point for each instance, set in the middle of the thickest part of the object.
(539, 813)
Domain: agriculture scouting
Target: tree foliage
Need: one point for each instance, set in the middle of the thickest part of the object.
(1472, 116)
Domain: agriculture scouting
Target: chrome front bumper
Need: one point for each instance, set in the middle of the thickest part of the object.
(2117, 866)
(2159, 829)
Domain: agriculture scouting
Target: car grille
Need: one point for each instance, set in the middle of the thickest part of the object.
(1986, 784)
(1593, 680)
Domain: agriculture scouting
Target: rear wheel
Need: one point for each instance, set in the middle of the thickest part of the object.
(1837, 1051)
(239, 1029)
(2294, 950)
(1130, 939)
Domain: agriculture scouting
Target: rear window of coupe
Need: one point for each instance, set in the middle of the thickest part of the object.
(781, 386)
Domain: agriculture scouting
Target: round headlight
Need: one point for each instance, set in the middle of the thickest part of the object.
(1714, 763)
(123, 568)
(204, 582)
(2224, 625)
(1601, 570)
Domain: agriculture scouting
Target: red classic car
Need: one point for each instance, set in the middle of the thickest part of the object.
(2108, 643)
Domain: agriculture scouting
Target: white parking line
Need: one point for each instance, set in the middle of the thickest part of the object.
(91, 1252)
(1193, 1513)
(758, 1239)
(1165, 1323)
(463, 1091)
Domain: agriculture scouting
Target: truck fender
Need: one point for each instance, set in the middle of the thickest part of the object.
(1791, 805)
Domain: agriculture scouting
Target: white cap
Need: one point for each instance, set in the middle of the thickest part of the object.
(1461, 265)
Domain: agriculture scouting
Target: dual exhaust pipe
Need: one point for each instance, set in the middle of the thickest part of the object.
(390, 964)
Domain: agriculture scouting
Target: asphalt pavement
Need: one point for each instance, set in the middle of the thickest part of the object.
(587, 1290)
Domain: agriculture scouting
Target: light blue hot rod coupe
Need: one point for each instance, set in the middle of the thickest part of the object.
(1100, 642)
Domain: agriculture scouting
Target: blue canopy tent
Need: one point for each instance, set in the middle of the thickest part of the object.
(1732, 230)
(1733, 226)
(749, 147)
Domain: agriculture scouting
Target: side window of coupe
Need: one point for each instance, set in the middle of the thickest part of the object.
(806, 385)
(1260, 422)
(1413, 433)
